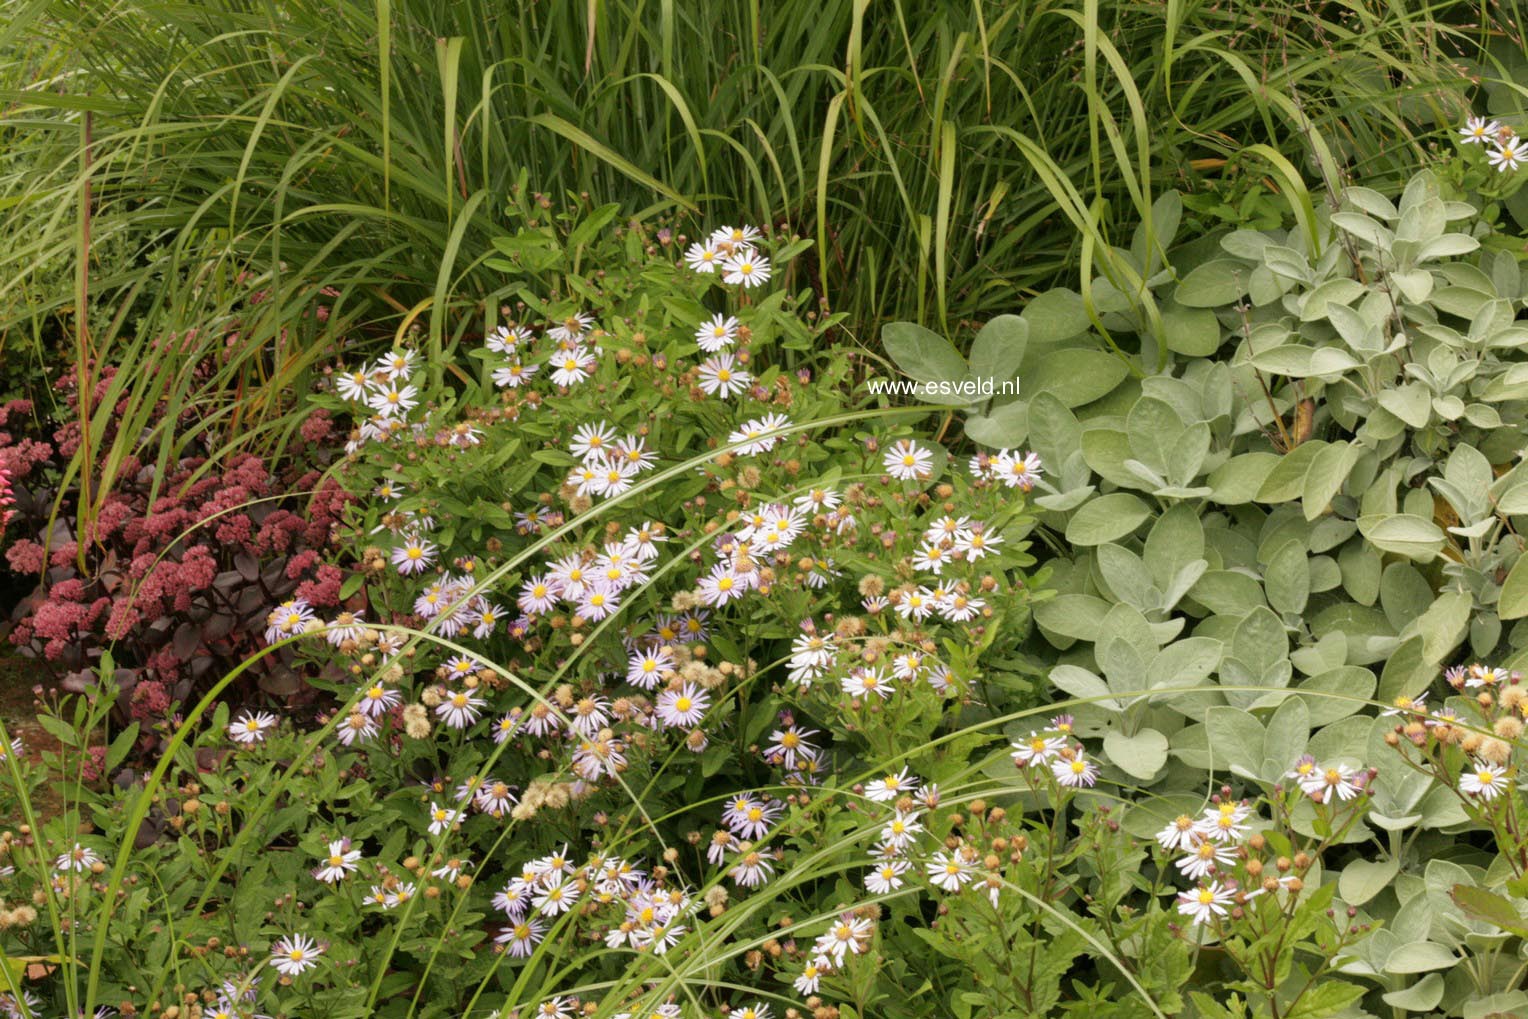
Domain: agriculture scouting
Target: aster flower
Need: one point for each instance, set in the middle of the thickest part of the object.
(598, 602)
(340, 861)
(703, 257)
(750, 818)
(1017, 470)
(790, 744)
(751, 869)
(733, 237)
(746, 268)
(442, 818)
(849, 935)
(1337, 780)
(1478, 131)
(514, 375)
(558, 896)
(571, 328)
(1181, 833)
(1037, 749)
(720, 376)
(460, 708)
(494, 798)
(885, 877)
(908, 461)
(295, 954)
(717, 333)
(571, 368)
(811, 976)
(645, 669)
(357, 727)
(78, 859)
(1204, 903)
(251, 727)
(917, 604)
(521, 939)
(1207, 857)
(288, 619)
(393, 400)
(1075, 772)
(1483, 779)
(883, 790)
(867, 681)
(900, 831)
(721, 585)
(758, 434)
(592, 441)
(354, 386)
(1225, 821)
(1507, 154)
(949, 872)
(415, 555)
(506, 340)
(684, 707)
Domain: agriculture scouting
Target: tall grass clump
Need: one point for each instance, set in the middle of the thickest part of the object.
(188, 186)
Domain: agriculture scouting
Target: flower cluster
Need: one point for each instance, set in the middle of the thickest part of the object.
(1504, 149)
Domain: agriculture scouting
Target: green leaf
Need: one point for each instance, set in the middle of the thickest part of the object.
(1055, 315)
(589, 229)
(1325, 999)
(1214, 284)
(1076, 376)
(1236, 739)
(1004, 428)
(1513, 603)
(1352, 685)
(118, 751)
(999, 348)
(1082, 684)
(1411, 402)
(922, 354)
(1286, 480)
(1078, 616)
(1288, 732)
(1480, 904)
(1422, 996)
(1141, 755)
(1419, 957)
(1325, 476)
(1287, 578)
(1404, 534)
(1193, 332)
(1107, 518)
(1362, 880)
(1239, 479)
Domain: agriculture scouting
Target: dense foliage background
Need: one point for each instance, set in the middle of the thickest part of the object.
(317, 323)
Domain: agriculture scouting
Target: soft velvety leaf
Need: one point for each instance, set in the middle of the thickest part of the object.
(1214, 284)
(924, 355)
(1075, 375)
(999, 348)
(1362, 880)
(1405, 534)
(1513, 603)
(1141, 755)
(1107, 518)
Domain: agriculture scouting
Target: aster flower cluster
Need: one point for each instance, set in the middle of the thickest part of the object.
(637, 627)
(1469, 745)
(1504, 149)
